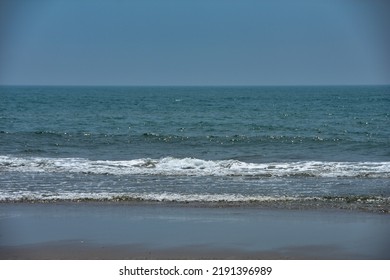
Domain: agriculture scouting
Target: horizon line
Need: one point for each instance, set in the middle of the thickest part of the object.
(189, 85)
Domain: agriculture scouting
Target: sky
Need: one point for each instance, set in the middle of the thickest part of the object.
(194, 42)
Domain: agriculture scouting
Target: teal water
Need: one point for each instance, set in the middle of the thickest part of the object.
(213, 144)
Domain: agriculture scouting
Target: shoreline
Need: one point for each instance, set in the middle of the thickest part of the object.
(343, 205)
(90, 230)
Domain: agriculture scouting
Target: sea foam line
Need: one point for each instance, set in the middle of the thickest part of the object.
(181, 198)
(170, 166)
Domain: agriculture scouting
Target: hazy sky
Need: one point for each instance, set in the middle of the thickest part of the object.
(194, 42)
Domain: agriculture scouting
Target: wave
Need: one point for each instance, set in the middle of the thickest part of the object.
(151, 197)
(376, 204)
(27, 196)
(217, 138)
(169, 166)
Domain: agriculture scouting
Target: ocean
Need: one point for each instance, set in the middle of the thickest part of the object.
(285, 147)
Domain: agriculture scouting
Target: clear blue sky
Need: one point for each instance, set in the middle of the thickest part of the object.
(194, 42)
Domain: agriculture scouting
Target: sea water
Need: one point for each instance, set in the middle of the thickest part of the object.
(325, 146)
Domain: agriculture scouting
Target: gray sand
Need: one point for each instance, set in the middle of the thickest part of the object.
(154, 231)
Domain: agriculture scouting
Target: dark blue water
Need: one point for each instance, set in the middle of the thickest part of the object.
(201, 144)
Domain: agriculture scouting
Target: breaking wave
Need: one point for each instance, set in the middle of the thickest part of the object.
(169, 166)
(26, 196)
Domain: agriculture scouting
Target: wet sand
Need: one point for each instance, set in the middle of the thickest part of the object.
(75, 250)
(168, 231)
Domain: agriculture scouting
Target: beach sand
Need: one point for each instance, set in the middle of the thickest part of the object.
(91, 230)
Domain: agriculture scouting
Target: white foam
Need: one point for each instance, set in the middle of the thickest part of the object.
(170, 166)
(159, 197)
(171, 197)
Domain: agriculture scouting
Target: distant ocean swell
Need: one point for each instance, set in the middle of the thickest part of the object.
(266, 136)
(169, 166)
